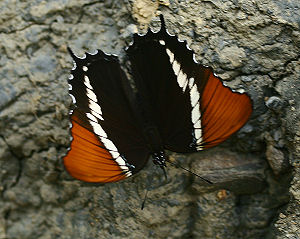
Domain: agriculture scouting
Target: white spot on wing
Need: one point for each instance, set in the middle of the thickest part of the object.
(87, 82)
(184, 86)
(162, 42)
(196, 113)
(123, 166)
(96, 110)
(91, 117)
(176, 67)
(195, 96)
(98, 130)
(91, 95)
(198, 134)
(111, 147)
(171, 55)
(84, 68)
(181, 79)
(98, 116)
(191, 82)
(95, 107)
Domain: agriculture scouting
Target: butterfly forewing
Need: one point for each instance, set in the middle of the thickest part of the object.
(191, 107)
(156, 82)
(88, 159)
(107, 141)
(223, 112)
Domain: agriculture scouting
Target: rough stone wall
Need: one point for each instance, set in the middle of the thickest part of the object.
(254, 44)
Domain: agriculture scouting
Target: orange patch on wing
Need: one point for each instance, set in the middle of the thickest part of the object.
(88, 160)
(223, 112)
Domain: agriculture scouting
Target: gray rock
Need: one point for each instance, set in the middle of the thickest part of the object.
(276, 160)
(253, 44)
(234, 172)
(7, 94)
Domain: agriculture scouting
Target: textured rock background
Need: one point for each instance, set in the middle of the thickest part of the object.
(251, 44)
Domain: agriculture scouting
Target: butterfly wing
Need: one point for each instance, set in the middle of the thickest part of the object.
(107, 145)
(191, 107)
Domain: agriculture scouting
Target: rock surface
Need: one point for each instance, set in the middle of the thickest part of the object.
(251, 44)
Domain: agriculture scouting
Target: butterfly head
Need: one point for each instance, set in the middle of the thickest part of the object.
(159, 158)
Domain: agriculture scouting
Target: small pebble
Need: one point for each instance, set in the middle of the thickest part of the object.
(274, 103)
(281, 215)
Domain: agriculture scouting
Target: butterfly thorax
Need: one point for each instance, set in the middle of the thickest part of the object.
(153, 139)
(155, 145)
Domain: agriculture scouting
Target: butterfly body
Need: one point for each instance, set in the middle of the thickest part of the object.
(179, 105)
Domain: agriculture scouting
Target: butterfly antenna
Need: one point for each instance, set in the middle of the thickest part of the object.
(162, 20)
(147, 189)
(71, 53)
(144, 201)
(164, 170)
(185, 169)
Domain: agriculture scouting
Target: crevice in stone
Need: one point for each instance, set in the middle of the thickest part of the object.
(20, 29)
(86, 5)
(11, 101)
(20, 162)
(291, 60)
(6, 214)
(4, 187)
(286, 72)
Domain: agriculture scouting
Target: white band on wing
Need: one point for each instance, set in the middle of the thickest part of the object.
(183, 82)
(93, 116)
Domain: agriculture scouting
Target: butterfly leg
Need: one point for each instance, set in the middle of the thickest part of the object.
(160, 160)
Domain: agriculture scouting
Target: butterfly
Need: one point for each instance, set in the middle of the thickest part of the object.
(173, 104)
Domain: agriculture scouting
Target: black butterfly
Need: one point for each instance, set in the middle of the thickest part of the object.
(178, 105)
